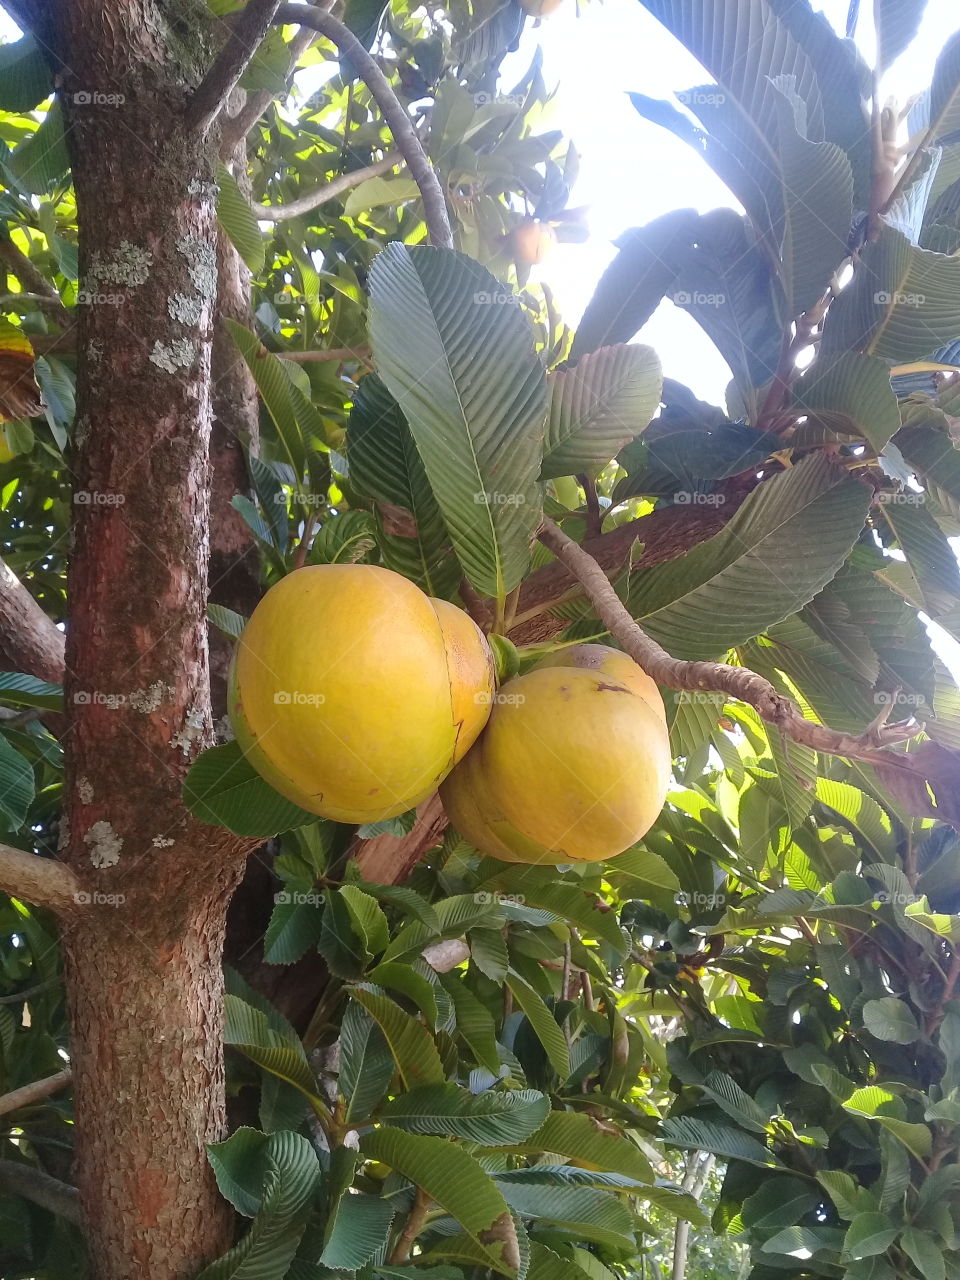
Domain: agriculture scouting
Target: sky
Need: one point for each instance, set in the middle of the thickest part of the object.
(632, 170)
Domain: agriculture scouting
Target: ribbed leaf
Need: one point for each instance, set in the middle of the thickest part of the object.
(850, 393)
(944, 110)
(863, 813)
(458, 1184)
(291, 1177)
(569, 902)
(293, 929)
(454, 916)
(590, 1214)
(488, 950)
(248, 1030)
(577, 1136)
(224, 790)
(238, 1165)
(595, 408)
(25, 78)
(459, 359)
(226, 620)
(276, 391)
(631, 288)
(41, 161)
(366, 1063)
(360, 1226)
(722, 1140)
(930, 557)
(897, 22)
(410, 1043)
(544, 1024)
(489, 1119)
(936, 461)
(16, 785)
(474, 1023)
(903, 302)
(787, 540)
(385, 465)
(239, 221)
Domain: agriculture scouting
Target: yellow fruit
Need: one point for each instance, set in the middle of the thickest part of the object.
(573, 765)
(353, 694)
(531, 241)
(540, 8)
(6, 453)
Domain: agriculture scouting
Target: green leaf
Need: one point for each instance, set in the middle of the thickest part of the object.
(25, 79)
(544, 1024)
(632, 287)
(891, 1019)
(21, 690)
(276, 390)
(850, 393)
(474, 1022)
(945, 91)
(902, 303)
(450, 1176)
(721, 1139)
(597, 407)
(936, 461)
(239, 221)
(579, 1137)
(377, 191)
(868, 1235)
(871, 823)
(786, 542)
(248, 1030)
(293, 929)
(925, 1252)
(460, 361)
(778, 1202)
(238, 1165)
(385, 465)
(569, 902)
(226, 620)
(290, 1179)
(366, 1063)
(16, 784)
(410, 983)
(369, 922)
(587, 1213)
(42, 161)
(897, 22)
(360, 1227)
(224, 790)
(488, 950)
(410, 1043)
(489, 1119)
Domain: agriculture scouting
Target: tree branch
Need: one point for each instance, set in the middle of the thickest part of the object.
(41, 881)
(389, 859)
(331, 353)
(33, 1184)
(245, 37)
(34, 1092)
(329, 191)
(394, 114)
(37, 287)
(738, 682)
(235, 128)
(414, 1225)
(29, 640)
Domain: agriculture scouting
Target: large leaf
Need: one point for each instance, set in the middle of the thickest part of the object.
(897, 22)
(595, 408)
(276, 389)
(587, 1212)
(25, 78)
(249, 1031)
(224, 790)
(580, 1138)
(359, 1227)
(544, 1024)
(903, 302)
(385, 465)
(366, 1063)
(239, 221)
(721, 1139)
(457, 1183)
(410, 1043)
(932, 454)
(290, 1175)
(458, 356)
(850, 393)
(787, 540)
(631, 288)
(489, 1119)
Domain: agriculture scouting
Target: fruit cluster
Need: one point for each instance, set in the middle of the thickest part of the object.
(355, 695)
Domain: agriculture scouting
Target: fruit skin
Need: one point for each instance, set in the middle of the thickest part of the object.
(573, 766)
(531, 241)
(353, 694)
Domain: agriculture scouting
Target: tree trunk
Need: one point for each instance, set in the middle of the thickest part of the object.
(143, 968)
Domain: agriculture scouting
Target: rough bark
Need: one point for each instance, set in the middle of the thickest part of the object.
(29, 640)
(142, 963)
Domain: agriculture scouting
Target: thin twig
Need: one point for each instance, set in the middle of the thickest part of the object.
(394, 114)
(33, 1184)
(414, 1225)
(739, 682)
(303, 545)
(18, 996)
(329, 191)
(594, 515)
(244, 39)
(42, 881)
(37, 286)
(331, 353)
(235, 128)
(34, 1092)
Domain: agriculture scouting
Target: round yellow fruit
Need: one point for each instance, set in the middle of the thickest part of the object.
(531, 241)
(573, 766)
(353, 694)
